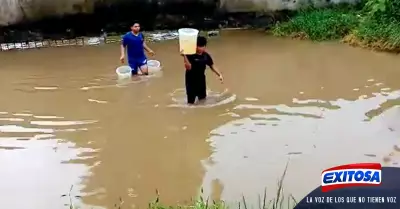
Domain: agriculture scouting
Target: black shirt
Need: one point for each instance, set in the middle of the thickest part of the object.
(199, 63)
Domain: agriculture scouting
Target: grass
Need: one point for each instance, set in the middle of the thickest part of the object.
(200, 203)
(371, 24)
(375, 34)
(264, 202)
(318, 24)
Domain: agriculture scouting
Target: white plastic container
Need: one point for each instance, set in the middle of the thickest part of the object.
(153, 66)
(124, 72)
(188, 40)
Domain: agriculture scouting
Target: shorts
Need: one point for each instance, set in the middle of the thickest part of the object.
(135, 64)
(195, 87)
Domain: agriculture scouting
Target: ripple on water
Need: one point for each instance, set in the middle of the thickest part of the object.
(47, 117)
(309, 137)
(118, 83)
(22, 114)
(12, 119)
(45, 88)
(62, 123)
(97, 101)
(251, 99)
(213, 99)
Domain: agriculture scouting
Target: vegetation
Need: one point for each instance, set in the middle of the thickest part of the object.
(201, 204)
(278, 202)
(370, 23)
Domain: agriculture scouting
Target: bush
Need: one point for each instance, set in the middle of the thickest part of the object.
(384, 34)
(319, 24)
(372, 23)
(380, 28)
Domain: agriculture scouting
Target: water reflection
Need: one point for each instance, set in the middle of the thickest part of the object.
(250, 153)
(38, 166)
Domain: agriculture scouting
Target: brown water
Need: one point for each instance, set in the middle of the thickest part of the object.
(65, 120)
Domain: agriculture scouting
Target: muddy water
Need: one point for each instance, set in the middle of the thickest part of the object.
(67, 128)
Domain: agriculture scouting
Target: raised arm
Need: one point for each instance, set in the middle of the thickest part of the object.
(186, 61)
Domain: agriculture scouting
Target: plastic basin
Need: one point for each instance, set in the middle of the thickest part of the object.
(124, 72)
(153, 66)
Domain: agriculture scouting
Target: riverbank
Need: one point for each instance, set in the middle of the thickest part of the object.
(151, 36)
(369, 24)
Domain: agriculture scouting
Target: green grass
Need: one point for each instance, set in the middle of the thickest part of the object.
(379, 34)
(372, 24)
(318, 24)
(279, 201)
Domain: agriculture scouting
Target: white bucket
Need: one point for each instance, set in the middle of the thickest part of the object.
(188, 40)
(124, 72)
(153, 66)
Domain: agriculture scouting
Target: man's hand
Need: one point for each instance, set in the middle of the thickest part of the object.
(221, 78)
(152, 53)
(181, 53)
(122, 59)
(188, 66)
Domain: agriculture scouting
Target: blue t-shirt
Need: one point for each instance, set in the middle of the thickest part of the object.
(134, 44)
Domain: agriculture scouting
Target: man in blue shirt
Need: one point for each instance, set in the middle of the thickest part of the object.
(134, 43)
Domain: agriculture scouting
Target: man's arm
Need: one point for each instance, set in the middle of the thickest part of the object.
(186, 61)
(210, 63)
(215, 70)
(123, 48)
(146, 47)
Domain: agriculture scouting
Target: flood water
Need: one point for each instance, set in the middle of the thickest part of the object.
(67, 127)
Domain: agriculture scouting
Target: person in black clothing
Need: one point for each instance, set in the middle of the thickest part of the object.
(195, 78)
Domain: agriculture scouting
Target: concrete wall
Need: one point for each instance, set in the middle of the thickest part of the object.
(274, 5)
(15, 11)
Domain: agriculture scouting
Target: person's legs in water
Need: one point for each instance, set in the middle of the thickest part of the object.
(190, 95)
(134, 67)
(139, 64)
(143, 66)
(190, 89)
(201, 89)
